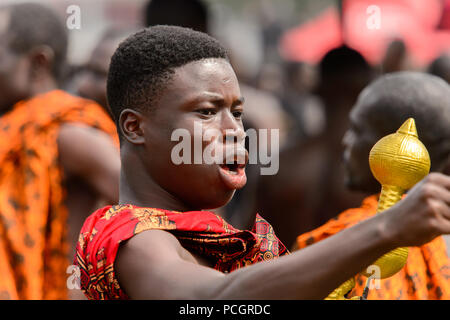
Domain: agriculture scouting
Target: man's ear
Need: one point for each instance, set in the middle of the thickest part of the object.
(130, 125)
(42, 59)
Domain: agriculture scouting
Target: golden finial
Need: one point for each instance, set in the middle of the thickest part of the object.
(398, 161)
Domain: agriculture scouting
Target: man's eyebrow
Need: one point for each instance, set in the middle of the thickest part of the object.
(240, 100)
(216, 98)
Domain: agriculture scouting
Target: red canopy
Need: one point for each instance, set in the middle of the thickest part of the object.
(413, 21)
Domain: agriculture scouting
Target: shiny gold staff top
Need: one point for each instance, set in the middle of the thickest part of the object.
(398, 161)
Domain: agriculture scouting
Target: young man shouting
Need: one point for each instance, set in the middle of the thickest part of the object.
(159, 243)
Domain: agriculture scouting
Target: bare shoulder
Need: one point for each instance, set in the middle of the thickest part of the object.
(90, 154)
(74, 135)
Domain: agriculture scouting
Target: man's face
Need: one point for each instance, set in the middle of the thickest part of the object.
(202, 93)
(91, 83)
(14, 69)
(358, 141)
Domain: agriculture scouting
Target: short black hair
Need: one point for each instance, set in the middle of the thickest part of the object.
(31, 25)
(183, 13)
(145, 62)
(441, 67)
(339, 62)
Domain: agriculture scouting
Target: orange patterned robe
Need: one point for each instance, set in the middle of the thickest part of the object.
(33, 246)
(425, 276)
(201, 232)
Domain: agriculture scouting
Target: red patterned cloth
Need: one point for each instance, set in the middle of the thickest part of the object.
(201, 232)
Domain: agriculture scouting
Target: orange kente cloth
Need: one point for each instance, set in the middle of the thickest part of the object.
(33, 227)
(426, 275)
(200, 232)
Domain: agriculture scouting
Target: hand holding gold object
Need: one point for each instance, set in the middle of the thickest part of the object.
(398, 161)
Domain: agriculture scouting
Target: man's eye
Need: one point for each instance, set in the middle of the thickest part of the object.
(207, 112)
(237, 114)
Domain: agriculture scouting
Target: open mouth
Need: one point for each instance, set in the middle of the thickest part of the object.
(232, 168)
(233, 172)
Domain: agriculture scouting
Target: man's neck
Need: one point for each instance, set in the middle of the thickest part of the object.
(137, 187)
(43, 86)
(34, 90)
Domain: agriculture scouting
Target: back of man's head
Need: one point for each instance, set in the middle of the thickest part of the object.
(387, 102)
(344, 67)
(441, 67)
(32, 25)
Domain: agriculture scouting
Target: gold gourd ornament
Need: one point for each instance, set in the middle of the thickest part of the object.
(398, 161)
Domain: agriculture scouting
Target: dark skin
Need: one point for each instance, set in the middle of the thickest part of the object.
(358, 141)
(195, 95)
(153, 264)
(21, 75)
(90, 177)
(367, 126)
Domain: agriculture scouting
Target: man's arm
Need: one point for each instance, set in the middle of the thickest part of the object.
(91, 155)
(153, 264)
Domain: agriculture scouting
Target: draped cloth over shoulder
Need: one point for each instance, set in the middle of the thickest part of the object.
(425, 276)
(33, 227)
(201, 232)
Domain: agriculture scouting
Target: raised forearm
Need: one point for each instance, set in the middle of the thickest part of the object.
(154, 265)
(311, 273)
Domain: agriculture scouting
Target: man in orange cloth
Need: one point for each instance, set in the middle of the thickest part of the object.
(58, 156)
(159, 242)
(381, 108)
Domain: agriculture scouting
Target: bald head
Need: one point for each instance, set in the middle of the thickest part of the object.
(30, 25)
(393, 98)
(381, 109)
(33, 45)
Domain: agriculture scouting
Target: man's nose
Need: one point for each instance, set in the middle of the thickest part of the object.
(232, 130)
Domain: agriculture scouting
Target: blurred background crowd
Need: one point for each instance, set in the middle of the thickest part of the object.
(301, 65)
